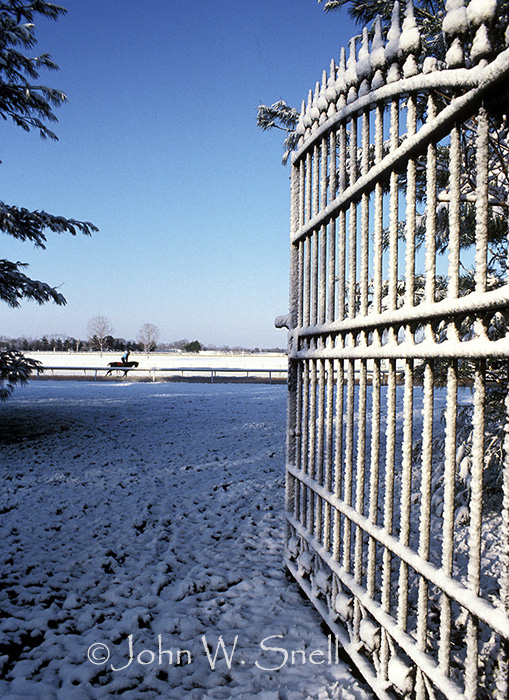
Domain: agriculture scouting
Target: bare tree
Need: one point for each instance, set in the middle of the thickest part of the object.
(148, 335)
(99, 328)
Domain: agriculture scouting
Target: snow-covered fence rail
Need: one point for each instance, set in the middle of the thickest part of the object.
(163, 372)
(398, 496)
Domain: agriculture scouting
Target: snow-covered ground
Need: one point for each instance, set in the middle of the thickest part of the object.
(141, 539)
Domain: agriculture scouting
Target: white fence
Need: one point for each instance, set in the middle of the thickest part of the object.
(159, 373)
(398, 495)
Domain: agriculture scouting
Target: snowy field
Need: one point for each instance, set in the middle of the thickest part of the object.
(266, 360)
(141, 536)
(159, 365)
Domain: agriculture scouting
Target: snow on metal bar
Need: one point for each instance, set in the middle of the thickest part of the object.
(397, 469)
(473, 303)
(431, 130)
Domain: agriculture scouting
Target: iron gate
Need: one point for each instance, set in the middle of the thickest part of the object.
(397, 478)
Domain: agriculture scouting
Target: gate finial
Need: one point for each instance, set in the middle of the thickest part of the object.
(455, 19)
(322, 102)
(301, 129)
(392, 46)
(364, 68)
(480, 13)
(315, 111)
(331, 92)
(307, 120)
(340, 84)
(377, 55)
(410, 41)
(455, 24)
(351, 77)
(481, 46)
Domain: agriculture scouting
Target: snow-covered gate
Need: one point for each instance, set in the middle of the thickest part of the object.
(395, 353)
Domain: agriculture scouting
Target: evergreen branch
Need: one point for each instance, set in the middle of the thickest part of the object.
(28, 225)
(15, 369)
(15, 285)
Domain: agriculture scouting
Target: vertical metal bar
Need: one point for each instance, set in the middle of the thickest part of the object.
(482, 213)
(316, 181)
(448, 517)
(503, 671)
(305, 438)
(359, 484)
(427, 441)
(388, 505)
(342, 227)
(425, 514)
(338, 458)
(299, 488)
(394, 212)
(321, 317)
(350, 364)
(307, 281)
(349, 457)
(339, 476)
(406, 489)
(332, 229)
(315, 238)
(322, 286)
(474, 535)
(410, 210)
(431, 209)
(364, 271)
(328, 448)
(391, 384)
(308, 211)
(300, 302)
(375, 381)
(302, 191)
(352, 240)
(374, 485)
(476, 488)
(314, 282)
(300, 214)
(378, 216)
(292, 381)
(406, 467)
(452, 400)
(454, 213)
(312, 444)
(298, 373)
(320, 438)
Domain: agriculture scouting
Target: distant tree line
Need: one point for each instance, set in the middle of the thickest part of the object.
(65, 343)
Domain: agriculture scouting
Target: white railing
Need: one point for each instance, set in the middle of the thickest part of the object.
(398, 495)
(165, 372)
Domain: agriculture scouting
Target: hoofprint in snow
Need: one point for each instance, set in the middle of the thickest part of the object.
(141, 535)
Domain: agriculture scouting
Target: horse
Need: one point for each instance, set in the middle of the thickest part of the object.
(120, 366)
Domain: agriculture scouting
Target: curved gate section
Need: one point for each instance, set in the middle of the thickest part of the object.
(397, 474)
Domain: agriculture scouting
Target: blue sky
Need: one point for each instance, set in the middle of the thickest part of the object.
(158, 147)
